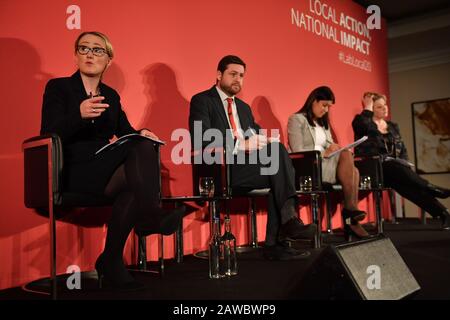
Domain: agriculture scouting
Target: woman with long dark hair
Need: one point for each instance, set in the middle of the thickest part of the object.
(309, 129)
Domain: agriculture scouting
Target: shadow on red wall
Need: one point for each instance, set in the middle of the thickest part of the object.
(22, 84)
(114, 78)
(265, 117)
(167, 110)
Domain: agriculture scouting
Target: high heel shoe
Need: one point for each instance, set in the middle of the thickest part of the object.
(355, 230)
(445, 219)
(162, 222)
(115, 276)
(357, 215)
(438, 192)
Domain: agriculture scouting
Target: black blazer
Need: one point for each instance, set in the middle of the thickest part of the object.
(207, 107)
(363, 125)
(81, 138)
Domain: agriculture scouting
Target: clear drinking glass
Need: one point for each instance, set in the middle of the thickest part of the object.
(206, 186)
(365, 182)
(305, 183)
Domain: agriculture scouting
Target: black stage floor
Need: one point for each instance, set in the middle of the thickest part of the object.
(424, 248)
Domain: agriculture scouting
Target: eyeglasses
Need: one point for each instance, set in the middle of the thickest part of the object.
(96, 51)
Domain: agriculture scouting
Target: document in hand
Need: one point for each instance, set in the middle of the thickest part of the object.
(126, 138)
(349, 146)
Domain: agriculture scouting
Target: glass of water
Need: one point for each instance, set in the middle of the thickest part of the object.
(365, 182)
(206, 186)
(305, 183)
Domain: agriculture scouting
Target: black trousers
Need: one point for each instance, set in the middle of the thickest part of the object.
(411, 186)
(245, 177)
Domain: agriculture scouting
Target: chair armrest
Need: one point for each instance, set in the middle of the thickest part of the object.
(43, 163)
(371, 166)
(307, 163)
(216, 167)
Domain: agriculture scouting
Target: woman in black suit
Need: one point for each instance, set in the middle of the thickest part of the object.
(384, 139)
(86, 113)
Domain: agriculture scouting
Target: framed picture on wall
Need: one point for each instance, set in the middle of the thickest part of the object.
(431, 131)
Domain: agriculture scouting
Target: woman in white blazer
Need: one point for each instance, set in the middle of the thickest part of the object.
(309, 129)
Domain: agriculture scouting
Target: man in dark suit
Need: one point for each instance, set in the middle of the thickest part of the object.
(219, 109)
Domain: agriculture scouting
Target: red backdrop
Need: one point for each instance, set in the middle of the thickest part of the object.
(166, 51)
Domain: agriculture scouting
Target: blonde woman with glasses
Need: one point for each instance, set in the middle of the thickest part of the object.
(86, 113)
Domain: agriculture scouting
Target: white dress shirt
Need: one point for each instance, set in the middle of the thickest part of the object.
(224, 97)
(320, 139)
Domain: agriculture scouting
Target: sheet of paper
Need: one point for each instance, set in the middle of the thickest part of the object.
(349, 146)
(124, 139)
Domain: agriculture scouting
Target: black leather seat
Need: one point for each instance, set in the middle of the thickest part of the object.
(43, 171)
(221, 173)
(372, 166)
(309, 163)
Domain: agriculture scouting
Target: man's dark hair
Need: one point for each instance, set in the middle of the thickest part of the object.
(320, 93)
(225, 61)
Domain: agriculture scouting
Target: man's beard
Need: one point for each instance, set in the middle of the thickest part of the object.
(229, 90)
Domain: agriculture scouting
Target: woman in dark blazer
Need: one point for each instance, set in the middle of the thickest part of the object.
(385, 140)
(85, 113)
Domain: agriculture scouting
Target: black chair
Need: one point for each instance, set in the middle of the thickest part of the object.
(43, 171)
(221, 174)
(220, 171)
(372, 166)
(309, 163)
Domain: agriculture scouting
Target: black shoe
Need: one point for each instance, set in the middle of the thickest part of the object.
(114, 275)
(355, 230)
(356, 215)
(166, 223)
(282, 252)
(445, 218)
(295, 229)
(438, 192)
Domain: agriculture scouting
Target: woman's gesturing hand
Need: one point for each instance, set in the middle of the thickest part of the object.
(92, 107)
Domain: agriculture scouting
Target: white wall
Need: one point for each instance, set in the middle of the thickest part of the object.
(411, 86)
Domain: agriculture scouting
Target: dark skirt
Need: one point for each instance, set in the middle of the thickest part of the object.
(92, 176)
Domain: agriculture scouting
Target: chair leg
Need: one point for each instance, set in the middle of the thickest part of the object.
(179, 249)
(179, 246)
(402, 201)
(393, 202)
(422, 216)
(52, 226)
(316, 220)
(161, 253)
(251, 222)
(328, 213)
(142, 253)
(378, 196)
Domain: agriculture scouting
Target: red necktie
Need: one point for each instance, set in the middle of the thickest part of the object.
(230, 116)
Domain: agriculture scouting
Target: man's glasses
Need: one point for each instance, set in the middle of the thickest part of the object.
(96, 51)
